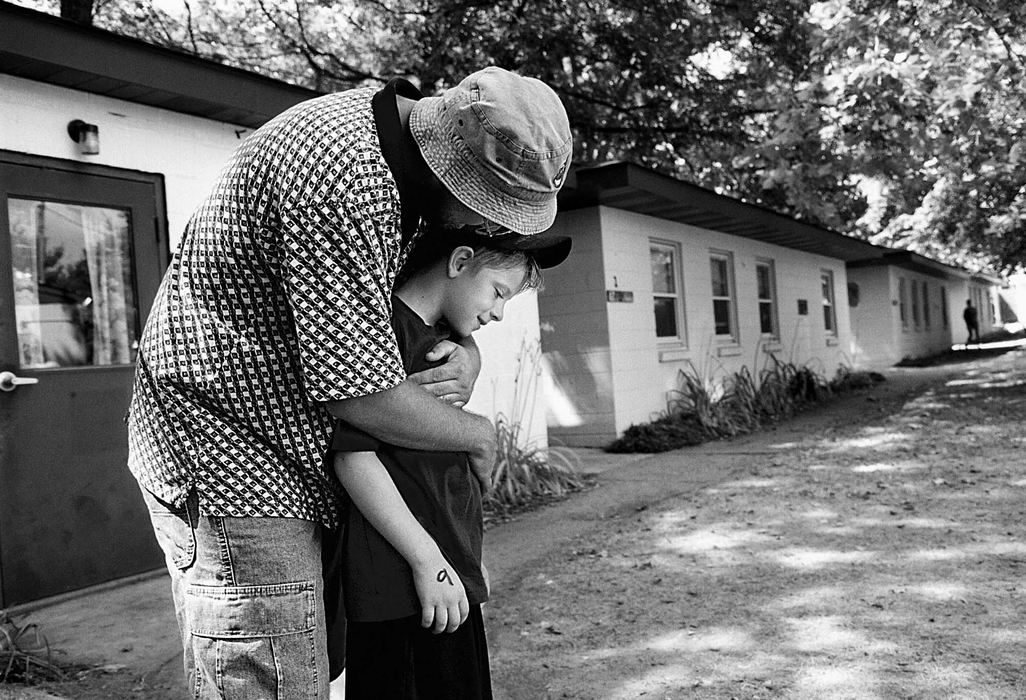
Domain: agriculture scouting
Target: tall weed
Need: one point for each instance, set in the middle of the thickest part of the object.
(24, 653)
(525, 472)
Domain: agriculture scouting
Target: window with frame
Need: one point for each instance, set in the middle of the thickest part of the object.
(74, 290)
(944, 306)
(915, 304)
(766, 286)
(667, 297)
(722, 268)
(903, 302)
(826, 280)
(926, 305)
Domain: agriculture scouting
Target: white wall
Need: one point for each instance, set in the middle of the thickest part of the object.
(575, 337)
(189, 152)
(632, 375)
(879, 339)
(511, 381)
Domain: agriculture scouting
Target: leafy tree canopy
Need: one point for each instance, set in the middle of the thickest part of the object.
(899, 121)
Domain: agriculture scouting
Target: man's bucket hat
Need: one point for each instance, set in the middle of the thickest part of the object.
(501, 143)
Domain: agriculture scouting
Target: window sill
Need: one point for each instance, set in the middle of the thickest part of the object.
(769, 346)
(831, 340)
(728, 351)
(673, 354)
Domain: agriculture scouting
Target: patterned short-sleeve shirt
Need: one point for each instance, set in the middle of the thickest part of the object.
(277, 299)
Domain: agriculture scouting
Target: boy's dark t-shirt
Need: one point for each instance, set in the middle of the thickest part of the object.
(440, 490)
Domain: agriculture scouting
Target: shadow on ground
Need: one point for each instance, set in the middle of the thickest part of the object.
(879, 556)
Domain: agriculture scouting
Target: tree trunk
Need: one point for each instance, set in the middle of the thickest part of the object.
(80, 11)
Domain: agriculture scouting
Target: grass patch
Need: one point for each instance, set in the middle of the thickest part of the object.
(526, 475)
(742, 403)
(25, 654)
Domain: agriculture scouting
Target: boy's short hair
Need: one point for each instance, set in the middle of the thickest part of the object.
(505, 250)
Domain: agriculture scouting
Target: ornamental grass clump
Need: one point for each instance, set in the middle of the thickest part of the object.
(525, 473)
(24, 653)
(699, 411)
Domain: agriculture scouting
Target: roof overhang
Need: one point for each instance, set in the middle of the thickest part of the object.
(914, 262)
(52, 50)
(908, 260)
(630, 187)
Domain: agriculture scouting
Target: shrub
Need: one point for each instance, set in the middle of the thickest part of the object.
(524, 472)
(666, 433)
(847, 379)
(697, 412)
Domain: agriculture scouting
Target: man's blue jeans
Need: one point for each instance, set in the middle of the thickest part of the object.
(249, 597)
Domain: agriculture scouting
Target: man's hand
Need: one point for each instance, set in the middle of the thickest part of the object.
(443, 600)
(452, 382)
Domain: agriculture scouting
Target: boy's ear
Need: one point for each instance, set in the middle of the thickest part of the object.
(459, 259)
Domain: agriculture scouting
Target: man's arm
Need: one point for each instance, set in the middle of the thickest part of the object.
(408, 416)
(454, 381)
(443, 599)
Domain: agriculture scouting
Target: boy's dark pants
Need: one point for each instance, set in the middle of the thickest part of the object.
(401, 660)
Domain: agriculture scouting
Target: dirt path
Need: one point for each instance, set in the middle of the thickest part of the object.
(872, 549)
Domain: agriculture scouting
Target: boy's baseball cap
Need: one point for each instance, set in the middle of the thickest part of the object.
(501, 143)
(547, 249)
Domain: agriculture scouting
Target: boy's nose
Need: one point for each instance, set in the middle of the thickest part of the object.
(497, 310)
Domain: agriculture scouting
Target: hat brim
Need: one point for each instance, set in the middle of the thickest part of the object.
(458, 174)
(547, 249)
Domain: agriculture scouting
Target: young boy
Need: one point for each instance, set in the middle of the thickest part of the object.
(411, 548)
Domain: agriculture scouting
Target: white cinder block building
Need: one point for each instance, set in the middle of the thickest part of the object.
(669, 277)
(906, 306)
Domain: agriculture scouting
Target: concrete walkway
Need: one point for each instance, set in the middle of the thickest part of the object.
(129, 627)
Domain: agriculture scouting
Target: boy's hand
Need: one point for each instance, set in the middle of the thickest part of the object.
(452, 382)
(443, 600)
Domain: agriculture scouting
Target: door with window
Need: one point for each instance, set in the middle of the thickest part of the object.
(82, 251)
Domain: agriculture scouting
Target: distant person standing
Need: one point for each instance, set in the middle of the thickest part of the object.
(972, 321)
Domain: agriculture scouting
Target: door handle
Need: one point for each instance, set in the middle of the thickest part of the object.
(9, 381)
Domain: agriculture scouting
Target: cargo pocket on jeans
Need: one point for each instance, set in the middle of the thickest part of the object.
(254, 641)
(175, 529)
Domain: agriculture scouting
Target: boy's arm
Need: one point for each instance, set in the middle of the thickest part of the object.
(444, 604)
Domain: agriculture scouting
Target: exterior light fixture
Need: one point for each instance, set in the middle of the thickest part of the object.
(87, 136)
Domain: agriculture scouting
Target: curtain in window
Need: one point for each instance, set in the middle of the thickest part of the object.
(25, 221)
(106, 247)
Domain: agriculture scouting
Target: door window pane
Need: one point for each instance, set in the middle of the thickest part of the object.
(73, 284)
